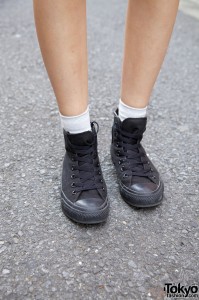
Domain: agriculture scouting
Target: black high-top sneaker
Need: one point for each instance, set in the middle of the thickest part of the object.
(83, 192)
(139, 181)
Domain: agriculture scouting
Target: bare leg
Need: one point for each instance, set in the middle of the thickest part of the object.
(149, 25)
(61, 30)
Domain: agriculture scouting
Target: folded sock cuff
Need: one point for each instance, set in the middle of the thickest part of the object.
(76, 124)
(126, 111)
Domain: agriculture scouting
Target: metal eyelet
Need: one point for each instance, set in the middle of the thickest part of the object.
(93, 125)
(122, 169)
(73, 184)
(125, 175)
(72, 158)
(72, 176)
(99, 173)
(101, 180)
(74, 192)
(72, 168)
(119, 162)
(103, 188)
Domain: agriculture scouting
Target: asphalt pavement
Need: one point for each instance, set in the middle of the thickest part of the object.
(137, 251)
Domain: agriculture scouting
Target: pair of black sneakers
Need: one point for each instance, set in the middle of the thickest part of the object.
(83, 191)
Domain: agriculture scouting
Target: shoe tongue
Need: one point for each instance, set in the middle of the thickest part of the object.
(82, 139)
(134, 124)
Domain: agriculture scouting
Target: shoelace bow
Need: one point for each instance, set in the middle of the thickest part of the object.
(89, 169)
(133, 162)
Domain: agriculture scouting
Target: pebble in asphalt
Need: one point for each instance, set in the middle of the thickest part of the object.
(133, 255)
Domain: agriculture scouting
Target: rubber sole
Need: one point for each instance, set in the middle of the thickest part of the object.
(78, 216)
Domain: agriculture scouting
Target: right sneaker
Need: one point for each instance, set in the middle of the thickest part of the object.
(83, 192)
(139, 181)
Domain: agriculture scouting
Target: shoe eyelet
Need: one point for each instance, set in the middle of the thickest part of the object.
(74, 192)
(119, 162)
(103, 188)
(73, 184)
(99, 173)
(72, 168)
(101, 180)
(72, 176)
(125, 175)
(122, 169)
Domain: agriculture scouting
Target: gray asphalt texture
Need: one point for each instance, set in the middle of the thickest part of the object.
(43, 254)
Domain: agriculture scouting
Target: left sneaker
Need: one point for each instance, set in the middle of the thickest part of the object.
(139, 181)
(83, 192)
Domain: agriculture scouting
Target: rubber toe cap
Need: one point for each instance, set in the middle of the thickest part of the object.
(90, 204)
(144, 187)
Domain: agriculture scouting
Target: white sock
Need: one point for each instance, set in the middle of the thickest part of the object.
(126, 111)
(76, 124)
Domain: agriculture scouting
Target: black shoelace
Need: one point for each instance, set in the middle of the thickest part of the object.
(133, 162)
(86, 162)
